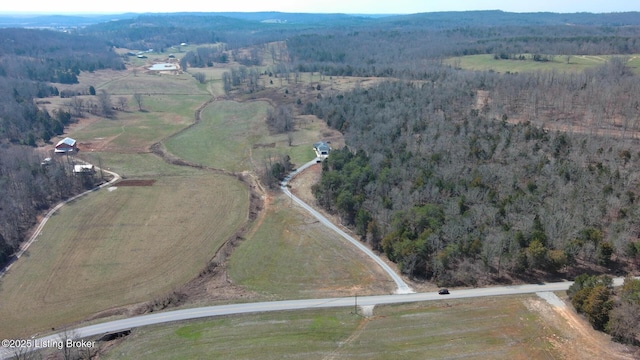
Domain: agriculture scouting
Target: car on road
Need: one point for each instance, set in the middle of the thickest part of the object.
(443, 291)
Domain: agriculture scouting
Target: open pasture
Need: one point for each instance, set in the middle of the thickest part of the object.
(138, 165)
(484, 328)
(135, 131)
(291, 255)
(224, 135)
(153, 84)
(235, 137)
(558, 63)
(120, 247)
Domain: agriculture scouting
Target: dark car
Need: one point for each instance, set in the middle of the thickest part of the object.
(443, 291)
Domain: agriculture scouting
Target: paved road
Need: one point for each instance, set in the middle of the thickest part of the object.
(234, 309)
(25, 246)
(402, 287)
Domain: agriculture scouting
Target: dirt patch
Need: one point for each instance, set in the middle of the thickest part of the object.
(136, 183)
(574, 337)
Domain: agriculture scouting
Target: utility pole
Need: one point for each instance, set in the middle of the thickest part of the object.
(355, 306)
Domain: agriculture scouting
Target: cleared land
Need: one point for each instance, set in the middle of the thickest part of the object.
(234, 136)
(121, 247)
(496, 328)
(558, 63)
(290, 255)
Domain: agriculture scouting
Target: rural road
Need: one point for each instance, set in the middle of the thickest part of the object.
(234, 309)
(25, 246)
(402, 287)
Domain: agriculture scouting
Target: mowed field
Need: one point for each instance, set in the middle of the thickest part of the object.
(120, 247)
(483, 328)
(234, 136)
(558, 63)
(291, 255)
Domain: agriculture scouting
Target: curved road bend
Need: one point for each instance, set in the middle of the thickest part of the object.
(402, 287)
(38, 229)
(234, 309)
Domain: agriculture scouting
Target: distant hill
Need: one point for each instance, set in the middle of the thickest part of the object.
(57, 21)
(500, 18)
(445, 19)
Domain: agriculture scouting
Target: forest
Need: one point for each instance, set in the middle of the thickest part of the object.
(448, 188)
(28, 187)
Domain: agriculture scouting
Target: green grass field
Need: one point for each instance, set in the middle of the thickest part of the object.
(139, 165)
(292, 256)
(134, 244)
(135, 130)
(114, 248)
(234, 136)
(558, 63)
(483, 328)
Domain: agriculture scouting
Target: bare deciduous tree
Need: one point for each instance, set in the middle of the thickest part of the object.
(123, 103)
(139, 100)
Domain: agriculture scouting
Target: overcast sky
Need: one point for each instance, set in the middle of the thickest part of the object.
(316, 6)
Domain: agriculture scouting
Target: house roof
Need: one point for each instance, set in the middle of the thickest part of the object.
(164, 67)
(321, 146)
(66, 141)
(82, 168)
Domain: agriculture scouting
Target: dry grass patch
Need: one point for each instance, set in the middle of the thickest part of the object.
(118, 248)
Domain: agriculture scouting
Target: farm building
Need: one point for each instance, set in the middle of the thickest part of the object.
(165, 68)
(66, 145)
(322, 149)
(83, 169)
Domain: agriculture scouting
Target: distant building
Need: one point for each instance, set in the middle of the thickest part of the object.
(66, 145)
(83, 169)
(165, 68)
(322, 149)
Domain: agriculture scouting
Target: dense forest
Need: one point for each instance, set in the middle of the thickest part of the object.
(31, 63)
(441, 182)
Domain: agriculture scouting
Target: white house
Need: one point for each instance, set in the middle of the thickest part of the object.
(322, 149)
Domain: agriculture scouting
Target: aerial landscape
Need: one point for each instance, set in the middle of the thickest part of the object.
(329, 180)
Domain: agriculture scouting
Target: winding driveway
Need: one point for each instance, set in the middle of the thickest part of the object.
(401, 286)
(25, 246)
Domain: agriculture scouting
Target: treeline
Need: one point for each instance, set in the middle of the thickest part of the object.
(408, 49)
(30, 62)
(163, 31)
(613, 311)
(21, 120)
(438, 179)
(50, 56)
(27, 188)
(204, 56)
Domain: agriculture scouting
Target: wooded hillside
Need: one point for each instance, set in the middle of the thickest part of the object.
(445, 186)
